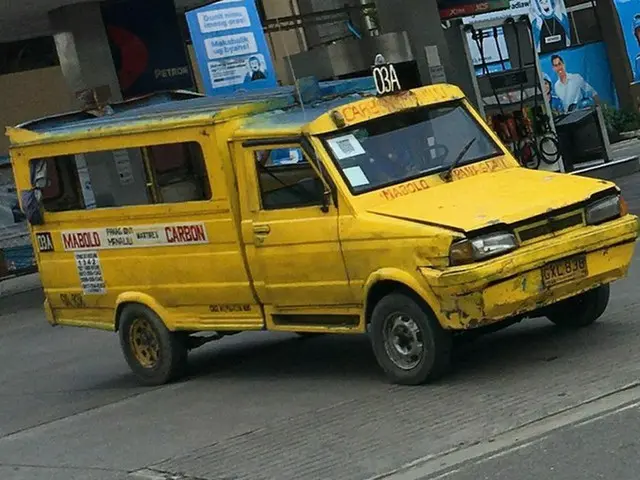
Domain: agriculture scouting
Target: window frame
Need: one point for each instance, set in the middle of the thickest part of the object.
(214, 174)
(454, 103)
(253, 146)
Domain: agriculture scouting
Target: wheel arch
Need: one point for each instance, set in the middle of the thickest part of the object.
(133, 298)
(384, 281)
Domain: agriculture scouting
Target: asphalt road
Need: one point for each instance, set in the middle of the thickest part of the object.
(267, 406)
(602, 446)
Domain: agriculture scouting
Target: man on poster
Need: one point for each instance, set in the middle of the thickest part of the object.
(572, 89)
(255, 70)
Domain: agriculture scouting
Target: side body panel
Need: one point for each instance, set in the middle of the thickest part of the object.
(195, 276)
(294, 254)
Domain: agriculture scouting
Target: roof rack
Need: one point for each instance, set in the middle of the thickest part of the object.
(97, 111)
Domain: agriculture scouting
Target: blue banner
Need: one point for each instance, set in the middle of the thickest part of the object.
(629, 14)
(231, 47)
(576, 77)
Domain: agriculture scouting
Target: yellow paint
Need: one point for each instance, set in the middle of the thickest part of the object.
(262, 266)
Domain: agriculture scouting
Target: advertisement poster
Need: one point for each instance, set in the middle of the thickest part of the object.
(629, 13)
(147, 46)
(550, 25)
(231, 47)
(576, 77)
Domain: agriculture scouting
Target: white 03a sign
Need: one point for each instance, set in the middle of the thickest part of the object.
(386, 79)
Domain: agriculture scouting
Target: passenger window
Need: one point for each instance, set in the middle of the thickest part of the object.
(287, 179)
(171, 173)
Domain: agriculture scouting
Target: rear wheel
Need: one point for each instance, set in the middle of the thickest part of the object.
(581, 310)
(408, 342)
(155, 354)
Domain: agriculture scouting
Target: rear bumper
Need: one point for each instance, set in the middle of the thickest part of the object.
(512, 285)
(48, 313)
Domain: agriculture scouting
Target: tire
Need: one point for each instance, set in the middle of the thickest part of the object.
(549, 158)
(397, 321)
(154, 354)
(582, 310)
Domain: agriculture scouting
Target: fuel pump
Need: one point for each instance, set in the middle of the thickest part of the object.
(511, 91)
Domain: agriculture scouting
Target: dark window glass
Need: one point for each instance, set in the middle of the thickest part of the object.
(171, 173)
(287, 179)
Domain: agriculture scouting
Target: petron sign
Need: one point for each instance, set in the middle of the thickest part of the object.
(147, 46)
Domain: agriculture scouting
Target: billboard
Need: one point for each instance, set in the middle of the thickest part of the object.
(463, 8)
(147, 46)
(230, 47)
(576, 77)
(550, 25)
(516, 8)
(629, 14)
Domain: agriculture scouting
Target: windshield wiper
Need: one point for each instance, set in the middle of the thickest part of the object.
(447, 175)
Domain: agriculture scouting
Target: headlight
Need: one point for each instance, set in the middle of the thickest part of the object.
(605, 209)
(481, 248)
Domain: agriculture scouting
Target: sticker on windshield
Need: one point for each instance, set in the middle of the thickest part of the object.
(346, 146)
(356, 176)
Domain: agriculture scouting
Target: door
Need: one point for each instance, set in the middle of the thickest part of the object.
(291, 231)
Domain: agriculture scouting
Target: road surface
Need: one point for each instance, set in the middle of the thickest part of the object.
(528, 402)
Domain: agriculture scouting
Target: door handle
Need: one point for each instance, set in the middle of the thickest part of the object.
(262, 229)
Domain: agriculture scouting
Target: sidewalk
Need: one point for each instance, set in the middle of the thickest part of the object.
(15, 285)
(625, 148)
(624, 161)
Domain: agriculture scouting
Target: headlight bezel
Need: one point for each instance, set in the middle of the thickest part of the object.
(482, 247)
(604, 209)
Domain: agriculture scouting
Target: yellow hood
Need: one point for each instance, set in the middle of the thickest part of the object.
(506, 196)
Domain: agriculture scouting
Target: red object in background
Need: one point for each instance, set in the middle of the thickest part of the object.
(53, 189)
(168, 157)
(133, 53)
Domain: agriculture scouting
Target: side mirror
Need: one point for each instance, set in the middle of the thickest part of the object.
(32, 206)
(326, 201)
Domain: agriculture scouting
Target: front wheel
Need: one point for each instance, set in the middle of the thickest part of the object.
(581, 310)
(408, 342)
(155, 354)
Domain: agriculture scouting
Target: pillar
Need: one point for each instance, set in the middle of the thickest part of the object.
(83, 49)
(617, 51)
(421, 20)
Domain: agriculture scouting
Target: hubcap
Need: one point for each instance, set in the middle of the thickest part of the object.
(144, 343)
(403, 341)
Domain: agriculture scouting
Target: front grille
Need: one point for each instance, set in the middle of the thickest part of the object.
(549, 226)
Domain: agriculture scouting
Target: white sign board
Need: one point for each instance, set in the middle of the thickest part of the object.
(90, 273)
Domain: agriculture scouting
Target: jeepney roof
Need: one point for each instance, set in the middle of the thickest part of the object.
(278, 106)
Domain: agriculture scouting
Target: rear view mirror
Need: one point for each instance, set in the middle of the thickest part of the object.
(326, 200)
(32, 207)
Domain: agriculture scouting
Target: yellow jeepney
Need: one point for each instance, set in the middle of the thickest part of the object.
(327, 210)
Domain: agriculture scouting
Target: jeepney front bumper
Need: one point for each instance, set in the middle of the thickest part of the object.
(512, 285)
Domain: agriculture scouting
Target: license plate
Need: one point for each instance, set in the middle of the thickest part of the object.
(565, 270)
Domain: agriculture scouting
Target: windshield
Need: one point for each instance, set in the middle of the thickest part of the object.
(407, 145)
